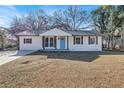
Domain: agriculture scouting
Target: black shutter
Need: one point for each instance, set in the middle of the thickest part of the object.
(24, 40)
(67, 42)
(18, 42)
(43, 39)
(74, 40)
(55, 41)
(31, 40)
(81, 39)
(96, 39)
(89, 40)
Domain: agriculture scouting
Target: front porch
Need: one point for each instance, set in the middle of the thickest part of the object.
(55, 39)
(53, 43)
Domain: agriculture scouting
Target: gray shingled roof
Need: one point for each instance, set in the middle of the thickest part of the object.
(85, 32)
(81, 32)
(27, 33)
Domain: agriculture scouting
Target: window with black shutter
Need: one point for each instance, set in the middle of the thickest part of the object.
(27, 41)
(92, 40)
(78, 39)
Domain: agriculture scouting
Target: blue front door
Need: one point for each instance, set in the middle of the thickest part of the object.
(62, 43)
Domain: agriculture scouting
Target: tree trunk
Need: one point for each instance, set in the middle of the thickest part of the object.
(112, 40)
(122, 41)
(109, 39)
(2, 42)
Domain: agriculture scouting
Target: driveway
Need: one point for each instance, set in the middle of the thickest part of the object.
(7, 56)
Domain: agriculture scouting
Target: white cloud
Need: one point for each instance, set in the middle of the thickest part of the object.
(6, 15)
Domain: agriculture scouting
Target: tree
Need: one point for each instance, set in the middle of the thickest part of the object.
(115, 23)
(35, 21)
(73, 18)
(106, 20)
(121, 18)
(100, 19)
(2, 37)
(17, 25)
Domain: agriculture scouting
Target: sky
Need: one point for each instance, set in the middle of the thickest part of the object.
(7, 12)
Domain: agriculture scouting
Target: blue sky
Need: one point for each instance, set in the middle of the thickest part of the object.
(8, 12)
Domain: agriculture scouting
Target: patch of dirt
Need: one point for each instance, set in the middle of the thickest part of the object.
(26, 62)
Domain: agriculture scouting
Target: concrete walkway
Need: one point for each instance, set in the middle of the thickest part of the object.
(7, 56)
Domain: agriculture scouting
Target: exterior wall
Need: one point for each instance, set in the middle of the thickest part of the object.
(85, 46)
(36, 43)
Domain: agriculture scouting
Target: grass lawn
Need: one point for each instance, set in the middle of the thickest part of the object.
(62, 69)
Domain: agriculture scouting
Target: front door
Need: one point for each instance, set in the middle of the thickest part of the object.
(62, 42)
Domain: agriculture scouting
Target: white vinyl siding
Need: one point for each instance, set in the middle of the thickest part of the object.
(85, 46)
(36, 43)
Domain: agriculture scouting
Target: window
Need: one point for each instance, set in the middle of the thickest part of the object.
(27, 40)
(46, 42)
(92, 40)
(49, 42)
(77, 40)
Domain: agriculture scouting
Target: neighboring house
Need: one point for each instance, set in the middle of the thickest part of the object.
(56, 39)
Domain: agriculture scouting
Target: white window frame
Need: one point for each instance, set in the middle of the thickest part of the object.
(49, 42)
(25, 41)
(93, 38)
(80, 40)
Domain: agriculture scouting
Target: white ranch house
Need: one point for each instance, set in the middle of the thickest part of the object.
(56, 39)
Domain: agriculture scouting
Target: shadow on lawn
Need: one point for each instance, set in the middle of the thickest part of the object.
(77, 56)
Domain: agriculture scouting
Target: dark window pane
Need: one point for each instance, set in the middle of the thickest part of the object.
(77, 40)
(92, 40)
(51, 42)
(27, 40)
(46, 42)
